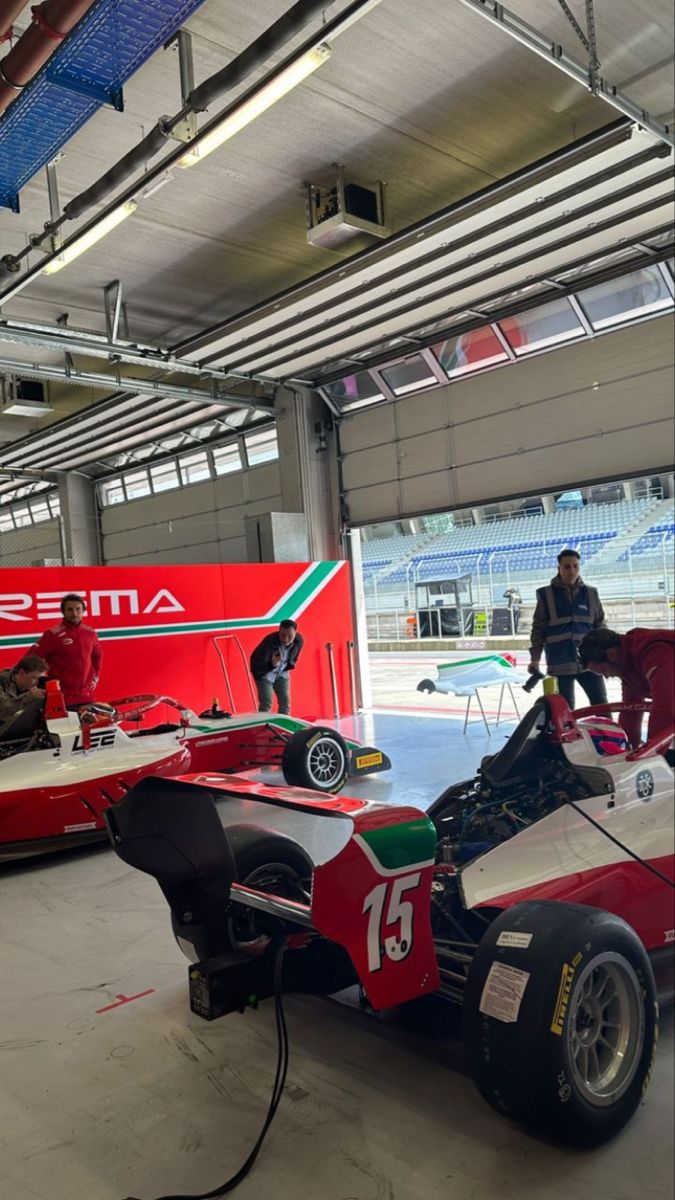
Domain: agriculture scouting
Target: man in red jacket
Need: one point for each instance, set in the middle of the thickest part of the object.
(644, 661)
(73, 653)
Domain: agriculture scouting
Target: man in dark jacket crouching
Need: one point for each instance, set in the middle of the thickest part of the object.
(271, 661)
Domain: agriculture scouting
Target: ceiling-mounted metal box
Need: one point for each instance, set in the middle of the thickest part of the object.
(23, 398)
(346, 209)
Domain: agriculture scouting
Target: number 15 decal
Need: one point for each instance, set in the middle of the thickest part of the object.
(396, 946)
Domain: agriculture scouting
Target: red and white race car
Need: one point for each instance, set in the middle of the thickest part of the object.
(58, 776)
(538, 896)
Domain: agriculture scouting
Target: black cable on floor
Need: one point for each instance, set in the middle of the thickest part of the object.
(277, 1092)
(631, 853)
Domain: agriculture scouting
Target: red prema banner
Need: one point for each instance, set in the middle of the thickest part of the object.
(171, 630)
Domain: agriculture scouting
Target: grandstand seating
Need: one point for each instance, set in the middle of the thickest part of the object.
(523, 548)
(652, 541)
(530, 541)
(387, 549)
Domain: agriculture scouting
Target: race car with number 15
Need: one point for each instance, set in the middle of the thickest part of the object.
(537, 896)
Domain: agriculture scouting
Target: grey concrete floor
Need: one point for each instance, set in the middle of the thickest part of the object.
(144, 1099)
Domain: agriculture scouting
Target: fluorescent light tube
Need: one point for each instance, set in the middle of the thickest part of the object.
(88, 239)
(258, 103)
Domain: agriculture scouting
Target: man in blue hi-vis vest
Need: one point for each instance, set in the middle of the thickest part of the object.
(566, 611)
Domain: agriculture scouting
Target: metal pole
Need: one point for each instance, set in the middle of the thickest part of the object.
(54, 203)
(492, 595)
(514, 702)
(632, 585)
(541, 44)
(333, 680)
(352, 676)
(186, 129)
(62, 537)
(112, 299)
(666, 588)
(226, 677)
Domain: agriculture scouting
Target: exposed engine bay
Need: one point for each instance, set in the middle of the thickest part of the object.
(474, 816)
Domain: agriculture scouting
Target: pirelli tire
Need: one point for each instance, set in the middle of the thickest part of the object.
(561, 1019)
(316, 758)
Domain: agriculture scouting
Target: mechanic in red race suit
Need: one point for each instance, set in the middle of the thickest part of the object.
(73, 653)
(644, 661)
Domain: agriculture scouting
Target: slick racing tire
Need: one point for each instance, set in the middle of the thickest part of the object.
(560, 1019)
(270, 863)
(267, 862)
(316, 758)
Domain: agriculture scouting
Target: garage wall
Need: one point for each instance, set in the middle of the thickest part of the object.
(31, 544)
(200, 523)
(600, 409)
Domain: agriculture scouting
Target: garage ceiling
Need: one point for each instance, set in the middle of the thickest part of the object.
(426, 96)
(614, 188)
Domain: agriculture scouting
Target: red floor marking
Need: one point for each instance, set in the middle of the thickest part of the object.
(125, 1000)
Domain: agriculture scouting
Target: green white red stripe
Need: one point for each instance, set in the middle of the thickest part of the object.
(289, 606)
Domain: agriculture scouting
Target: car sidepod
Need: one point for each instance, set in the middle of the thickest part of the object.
(374, 900)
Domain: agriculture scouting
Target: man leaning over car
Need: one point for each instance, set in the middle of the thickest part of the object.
(19, 686)
(644, 661)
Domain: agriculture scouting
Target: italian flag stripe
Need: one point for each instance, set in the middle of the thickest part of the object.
(288, 607)
(411, 844)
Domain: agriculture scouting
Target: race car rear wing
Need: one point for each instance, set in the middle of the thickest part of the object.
(370, 893)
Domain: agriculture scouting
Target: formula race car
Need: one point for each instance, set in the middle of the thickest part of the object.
(538, 896)
(58, 775)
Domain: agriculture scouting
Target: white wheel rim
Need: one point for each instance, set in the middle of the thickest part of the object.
(605, 1029)
(325, 762)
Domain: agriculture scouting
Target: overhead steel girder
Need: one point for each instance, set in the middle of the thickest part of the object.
(577, 207)
(144, 387)
(542, 45)
(511, 307)
(96, 345)
(30, 476)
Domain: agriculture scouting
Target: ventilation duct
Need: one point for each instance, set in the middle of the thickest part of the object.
(87, 70)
